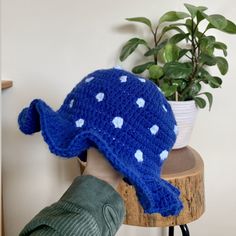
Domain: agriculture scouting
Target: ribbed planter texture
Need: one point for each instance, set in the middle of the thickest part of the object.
(185, 114)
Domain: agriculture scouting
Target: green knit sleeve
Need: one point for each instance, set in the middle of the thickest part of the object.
(89, 207)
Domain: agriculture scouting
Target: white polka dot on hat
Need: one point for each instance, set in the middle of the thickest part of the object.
(127, 118)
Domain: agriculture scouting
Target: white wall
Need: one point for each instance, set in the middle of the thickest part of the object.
(47, 46)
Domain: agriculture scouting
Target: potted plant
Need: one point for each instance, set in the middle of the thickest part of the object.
(179, 63)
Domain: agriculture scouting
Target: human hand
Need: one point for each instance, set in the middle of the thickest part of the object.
(98, 166)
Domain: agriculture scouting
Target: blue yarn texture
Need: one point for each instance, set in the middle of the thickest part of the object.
(127, 118)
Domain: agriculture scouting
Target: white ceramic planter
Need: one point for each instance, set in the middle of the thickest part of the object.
(185, 114)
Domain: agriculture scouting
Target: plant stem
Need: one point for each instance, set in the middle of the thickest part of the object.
(176, 96)
(203, 33)
(155, 43)
(186, 90)
(188, 56)
(195, 60)
(160, 38)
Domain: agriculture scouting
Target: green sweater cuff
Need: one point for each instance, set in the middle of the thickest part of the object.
(89, 205)
(98, 198)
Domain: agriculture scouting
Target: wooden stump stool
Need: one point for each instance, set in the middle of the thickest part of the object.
(184, 169)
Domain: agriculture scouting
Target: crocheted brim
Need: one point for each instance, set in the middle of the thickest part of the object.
(168, 204)
(39, 116)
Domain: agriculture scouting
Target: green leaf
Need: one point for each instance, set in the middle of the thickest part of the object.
(200, 102)
(222, 65)
(130, 47)
(154, 51)
(207, 45)
(168, 90)
(207, 59)
(143, 20)
(182, 52)
(173, 16)
(177, 70)
(214, 82)
(195, 89)
(205, 77)
(181, 84)
(177, 38)
(201, 16)
(193, 9)
(171, 52)
(141, 68)
(161, 57)
(189, 26)
(217, 21)
(230, 28)
(201, 8)
(222, 47)
(209, 98)
(173, 27)
(203, 74)
(155, 72)
(217, 82)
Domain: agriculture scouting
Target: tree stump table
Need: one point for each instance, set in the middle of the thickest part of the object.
(184, 169)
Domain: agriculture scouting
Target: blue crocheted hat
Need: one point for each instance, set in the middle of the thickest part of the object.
(127, 118)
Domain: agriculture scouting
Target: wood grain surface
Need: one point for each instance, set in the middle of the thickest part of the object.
(6, 84)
